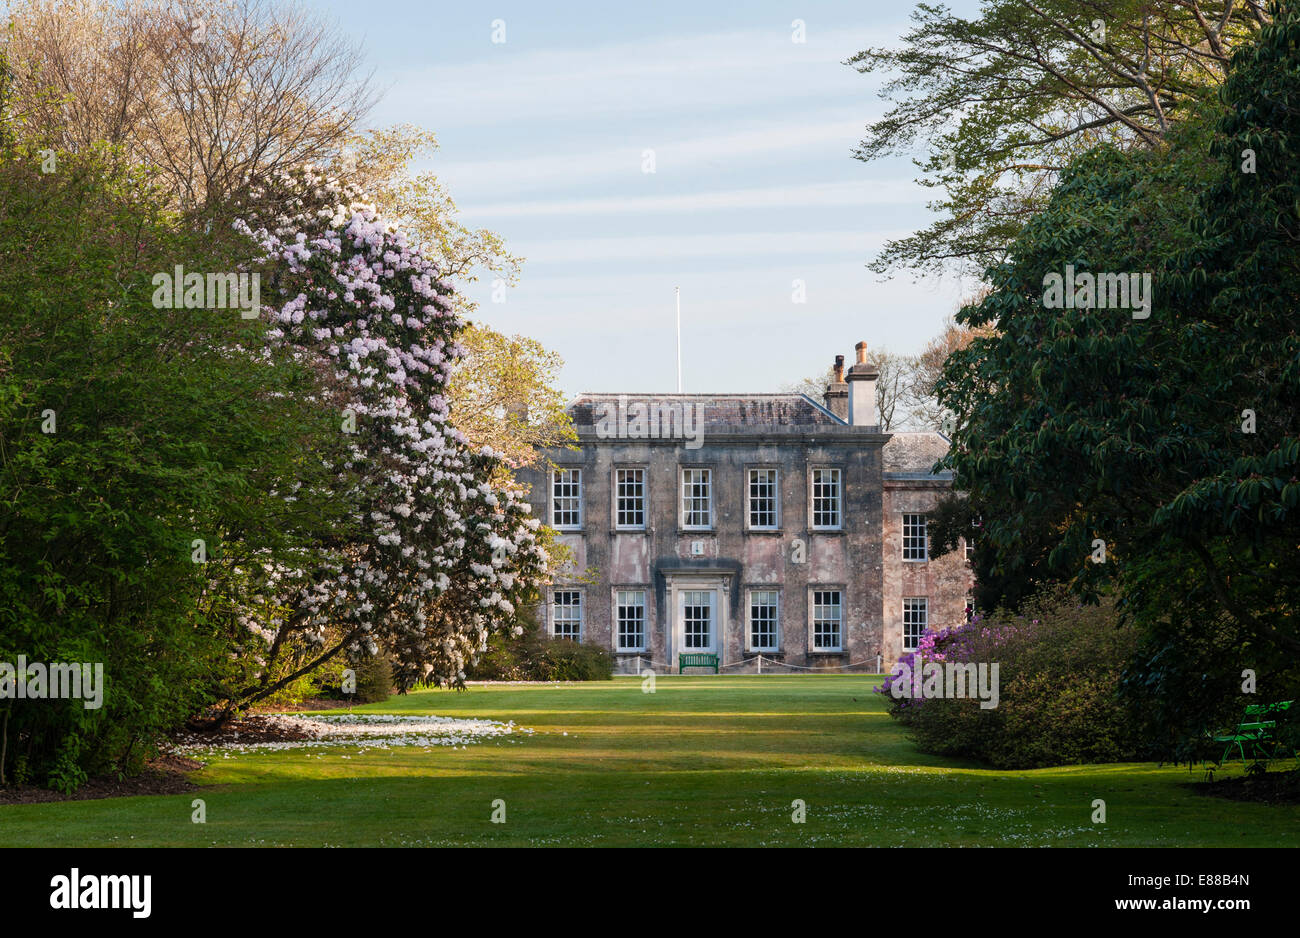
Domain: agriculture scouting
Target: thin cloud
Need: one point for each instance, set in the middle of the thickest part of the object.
(755, 144)
(731, 244)
(835, 194)
(510, 82)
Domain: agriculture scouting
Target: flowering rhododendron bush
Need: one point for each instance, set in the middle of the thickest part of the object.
(443, 546)
(1060, 666)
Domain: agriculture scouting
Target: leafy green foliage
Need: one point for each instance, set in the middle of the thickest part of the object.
(374, 679)
(1047, 404)
(127, 433)
(1088, 425)
(531, 655)
(1059, 669)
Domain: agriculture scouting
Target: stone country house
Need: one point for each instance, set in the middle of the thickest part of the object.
(748, 524)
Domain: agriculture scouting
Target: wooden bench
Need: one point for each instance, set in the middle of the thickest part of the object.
(696, 660)
(1254, 733)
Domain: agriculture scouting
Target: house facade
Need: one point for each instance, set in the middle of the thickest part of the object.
(747, 524)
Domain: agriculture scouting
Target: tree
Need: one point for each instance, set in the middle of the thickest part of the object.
(216, 104)
(503, 396)
(905, 390)
(445, 548)
(1237, 515)
(1007, 99)
(892, 387)
(1122, 440)
(6, 83)
(210, 104)
(232, 503)
(814, 387)
(378, 162)
(1035, 402)
(923, 406)
(141, 447)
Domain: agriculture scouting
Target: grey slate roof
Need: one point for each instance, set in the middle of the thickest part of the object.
(719, 410)
(912, 454)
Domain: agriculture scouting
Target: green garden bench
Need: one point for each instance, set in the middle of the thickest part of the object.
(696, 660)
(1254, 733)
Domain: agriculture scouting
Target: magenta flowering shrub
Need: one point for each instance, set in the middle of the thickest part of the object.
(1060, 664)
(958, 643)
(443, 547)
(972, 641)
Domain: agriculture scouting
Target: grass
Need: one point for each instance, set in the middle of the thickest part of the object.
(702, 761)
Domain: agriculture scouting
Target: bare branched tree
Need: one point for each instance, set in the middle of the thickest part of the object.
(892, 387)
(211, 98)
(924, 409)
(905, 398)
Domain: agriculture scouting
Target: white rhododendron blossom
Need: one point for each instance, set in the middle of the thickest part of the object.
(448, 550)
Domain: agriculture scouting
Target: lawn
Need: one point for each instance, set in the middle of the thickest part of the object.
(702, 761)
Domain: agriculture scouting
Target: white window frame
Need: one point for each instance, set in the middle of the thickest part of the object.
(581, 606)
(813, 618)
(969, 543)
(556, 499)
(838, 475)
(683, 511)
(906, 537)
(714, 600)
(917, 603)
(619, 525)
(750, 471)
(776, 620)
(619, 606)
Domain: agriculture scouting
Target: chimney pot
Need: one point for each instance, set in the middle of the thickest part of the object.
(837, 392)
(862, 352)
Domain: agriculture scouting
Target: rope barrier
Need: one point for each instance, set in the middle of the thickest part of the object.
(834, 667)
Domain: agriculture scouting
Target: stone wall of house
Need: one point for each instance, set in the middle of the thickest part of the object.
(945, 582)
(741, 560)
(884, 476)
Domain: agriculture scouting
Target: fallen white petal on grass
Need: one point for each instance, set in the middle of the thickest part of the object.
(376, 730)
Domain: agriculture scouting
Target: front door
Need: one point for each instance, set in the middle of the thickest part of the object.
(698, 620)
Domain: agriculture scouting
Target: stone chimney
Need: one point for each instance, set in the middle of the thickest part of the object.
(837, 392)
(862, 390)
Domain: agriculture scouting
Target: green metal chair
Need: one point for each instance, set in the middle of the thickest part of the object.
(1255, 734)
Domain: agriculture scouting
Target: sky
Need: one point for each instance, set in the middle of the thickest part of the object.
(546, 138)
